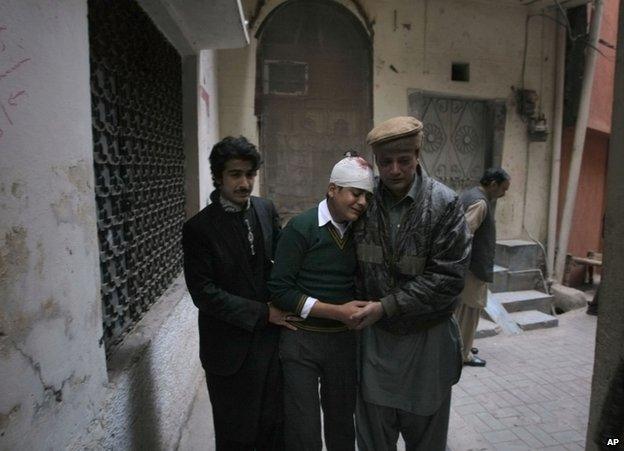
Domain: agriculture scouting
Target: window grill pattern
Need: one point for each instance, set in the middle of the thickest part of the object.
(136, 95)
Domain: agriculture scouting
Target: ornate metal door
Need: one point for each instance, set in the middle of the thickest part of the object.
(314, 92)
(457, 144)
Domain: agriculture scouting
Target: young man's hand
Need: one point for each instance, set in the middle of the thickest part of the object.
(345, 313)
(342, 313)
(367, 315)
(282, 318)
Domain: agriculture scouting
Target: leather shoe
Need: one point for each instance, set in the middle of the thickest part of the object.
(475, 351)
(592, 309)
(475, 361)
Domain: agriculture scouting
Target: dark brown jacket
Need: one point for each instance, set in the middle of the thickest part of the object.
(420, 278)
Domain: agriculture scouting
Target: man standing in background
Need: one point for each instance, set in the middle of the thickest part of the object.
(477, 202)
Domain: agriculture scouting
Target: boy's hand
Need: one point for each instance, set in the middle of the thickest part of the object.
(368, 315)
(345, 313)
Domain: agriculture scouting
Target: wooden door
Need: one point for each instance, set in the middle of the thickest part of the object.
(314, 94)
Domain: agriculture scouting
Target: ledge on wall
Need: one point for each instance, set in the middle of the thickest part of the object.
(192, 26)
(148, 330)
(153, 376)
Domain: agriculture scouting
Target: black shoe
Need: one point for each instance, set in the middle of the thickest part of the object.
(475, 361)
(592, 309)
(475, 351)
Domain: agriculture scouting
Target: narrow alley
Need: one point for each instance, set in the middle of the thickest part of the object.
(532, 395)
(156, 157)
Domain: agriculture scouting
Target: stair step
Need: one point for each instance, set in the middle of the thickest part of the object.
(495, 312)
(516, 254)
(487, 329)
(513, 243)
(533, 319)
(501, 275)
(525, 279)
(521, 280)
(516, 301)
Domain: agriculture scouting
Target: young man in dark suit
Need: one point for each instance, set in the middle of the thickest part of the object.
(228, 252)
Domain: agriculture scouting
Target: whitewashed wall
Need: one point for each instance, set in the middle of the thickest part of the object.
(52, 367)
(208, 120)
(57, 390)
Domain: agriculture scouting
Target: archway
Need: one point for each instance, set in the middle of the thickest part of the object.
(314, 68)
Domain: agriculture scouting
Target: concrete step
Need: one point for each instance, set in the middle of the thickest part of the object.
(516, 254)
(520, 280)
(499, 284)
(495, 312)
(533, 319)
(517, 301)
(487, 328)
(525, 279)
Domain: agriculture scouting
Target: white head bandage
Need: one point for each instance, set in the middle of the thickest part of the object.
(353, 172)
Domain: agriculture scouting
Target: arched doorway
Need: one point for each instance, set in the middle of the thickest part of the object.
(314, 98)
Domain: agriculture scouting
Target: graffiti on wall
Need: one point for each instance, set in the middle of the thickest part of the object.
(206, 98)
(12, 62)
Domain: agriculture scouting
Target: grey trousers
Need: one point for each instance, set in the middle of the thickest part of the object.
(378, 427)
(307, 358)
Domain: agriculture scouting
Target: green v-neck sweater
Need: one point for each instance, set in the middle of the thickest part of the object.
(312, 261)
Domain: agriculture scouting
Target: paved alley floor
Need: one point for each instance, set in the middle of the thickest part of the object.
(532, 395)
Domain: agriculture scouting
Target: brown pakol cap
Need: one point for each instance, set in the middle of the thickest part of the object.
(397, 127)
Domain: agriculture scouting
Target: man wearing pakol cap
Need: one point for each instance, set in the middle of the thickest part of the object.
(413, 249)
(313, 277)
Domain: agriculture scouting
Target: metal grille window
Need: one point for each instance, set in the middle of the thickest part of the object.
(136, 92)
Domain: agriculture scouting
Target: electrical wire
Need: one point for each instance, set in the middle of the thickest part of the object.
(568, 24)
(583, 37)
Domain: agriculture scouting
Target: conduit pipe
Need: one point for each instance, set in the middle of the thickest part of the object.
(580, 131)
(553, 204)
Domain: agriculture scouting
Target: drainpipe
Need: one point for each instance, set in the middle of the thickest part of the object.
(556, 149)
(580, 131)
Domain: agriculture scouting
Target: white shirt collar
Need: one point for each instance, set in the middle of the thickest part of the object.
(324, 216)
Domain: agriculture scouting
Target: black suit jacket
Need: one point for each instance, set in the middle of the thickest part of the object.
(219, 278)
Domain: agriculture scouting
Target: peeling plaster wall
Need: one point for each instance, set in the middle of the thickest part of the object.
(429, 36)
(55, 391)
(51, 365)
